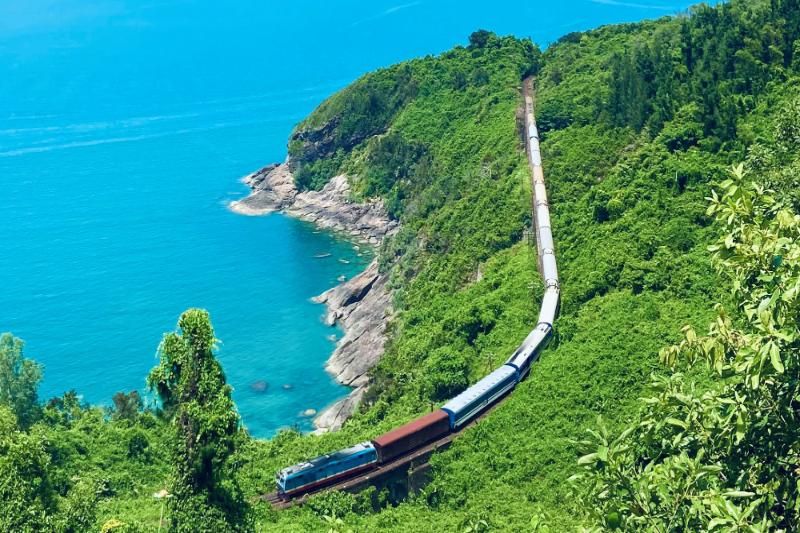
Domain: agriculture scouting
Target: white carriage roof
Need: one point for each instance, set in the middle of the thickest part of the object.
(480, 388)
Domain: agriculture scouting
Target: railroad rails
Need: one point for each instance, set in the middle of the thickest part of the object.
(412, 443)
(411, 461)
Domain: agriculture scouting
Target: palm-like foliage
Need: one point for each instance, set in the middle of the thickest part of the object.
(726, 458)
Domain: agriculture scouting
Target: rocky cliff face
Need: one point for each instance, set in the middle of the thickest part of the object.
(361, 305)
(330, 208)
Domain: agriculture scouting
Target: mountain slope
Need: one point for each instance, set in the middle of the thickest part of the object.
(628, 177)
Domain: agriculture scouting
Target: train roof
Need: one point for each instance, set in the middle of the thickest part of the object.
(410, 428)
(324, 459)
(534, 338)
(479, 389)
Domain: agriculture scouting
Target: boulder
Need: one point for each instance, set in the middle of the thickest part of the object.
(333, 417)
(259, 386)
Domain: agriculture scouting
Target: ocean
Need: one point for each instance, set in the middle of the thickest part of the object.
(125, 127)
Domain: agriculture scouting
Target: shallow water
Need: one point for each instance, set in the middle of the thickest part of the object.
(124, 128)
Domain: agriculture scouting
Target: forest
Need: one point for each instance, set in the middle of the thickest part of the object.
(668, 399)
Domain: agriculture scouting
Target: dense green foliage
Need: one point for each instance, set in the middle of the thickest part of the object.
(420, 124)
(65, 471)
(631, 228)
(725, 458)
(639, 123)
(28, 499)
(448, 163)
(716, 62)
(191, 385)
(81, 468)
(19, 380)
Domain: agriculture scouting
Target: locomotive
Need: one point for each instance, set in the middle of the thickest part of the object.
(455, 414)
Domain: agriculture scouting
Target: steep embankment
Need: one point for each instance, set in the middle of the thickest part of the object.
(383, 143)
(437, 139)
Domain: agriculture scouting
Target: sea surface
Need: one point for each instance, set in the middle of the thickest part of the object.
(125, 127)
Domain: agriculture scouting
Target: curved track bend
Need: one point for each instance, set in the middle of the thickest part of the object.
(528, 351)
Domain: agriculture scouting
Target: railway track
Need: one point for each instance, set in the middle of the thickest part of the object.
(410, 461)
(522, 358)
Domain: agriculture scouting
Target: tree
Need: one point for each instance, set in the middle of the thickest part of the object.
(446, 373)
(27, 498)
(787, 127)
(480, 38)
(19, 380)
(64, 410)
(191, 384)
(725, 456)
(79, 509)
(126, 406)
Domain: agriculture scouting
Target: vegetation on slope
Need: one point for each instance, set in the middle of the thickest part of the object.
(631, 229)
(204, 493)
(639, 122)
(75, 463)
(723, 457)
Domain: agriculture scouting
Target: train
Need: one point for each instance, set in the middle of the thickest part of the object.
(345, 464)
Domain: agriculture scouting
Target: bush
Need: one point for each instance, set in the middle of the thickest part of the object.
(446, 373)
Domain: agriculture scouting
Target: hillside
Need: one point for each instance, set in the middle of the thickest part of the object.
(629, 171)
(640, 122)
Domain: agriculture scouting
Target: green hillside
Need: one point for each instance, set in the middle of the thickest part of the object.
(640, 123)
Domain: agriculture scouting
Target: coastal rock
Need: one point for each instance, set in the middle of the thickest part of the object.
(330, 208)
(309, 412)
(333, 417)
(259, 386)
(361, 305)
(273, 190)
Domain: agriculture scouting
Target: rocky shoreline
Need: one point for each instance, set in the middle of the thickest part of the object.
(361, 305)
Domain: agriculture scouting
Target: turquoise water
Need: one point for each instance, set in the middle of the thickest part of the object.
(124, 129)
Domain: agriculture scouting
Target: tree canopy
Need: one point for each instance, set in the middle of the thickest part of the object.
(726, 457)
(191, 384)
(19, 380)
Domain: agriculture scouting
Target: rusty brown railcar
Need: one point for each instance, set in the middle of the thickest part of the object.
(412, 435)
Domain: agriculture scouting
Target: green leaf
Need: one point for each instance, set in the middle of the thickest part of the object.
(676, 422)
(716, 522)
(740, 428)
(791, 293)
(602, 454)
(739, 494)
(589, 458)
(775, 358)
(765, 317)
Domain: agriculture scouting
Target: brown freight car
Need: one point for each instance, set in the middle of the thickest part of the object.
(412, 435)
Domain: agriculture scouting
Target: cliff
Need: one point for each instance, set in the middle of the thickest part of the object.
(330, 208)
(361, 305)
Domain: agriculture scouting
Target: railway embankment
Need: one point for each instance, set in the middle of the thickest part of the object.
(361, 306)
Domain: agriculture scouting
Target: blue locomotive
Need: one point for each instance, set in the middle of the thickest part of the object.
(327, 469)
